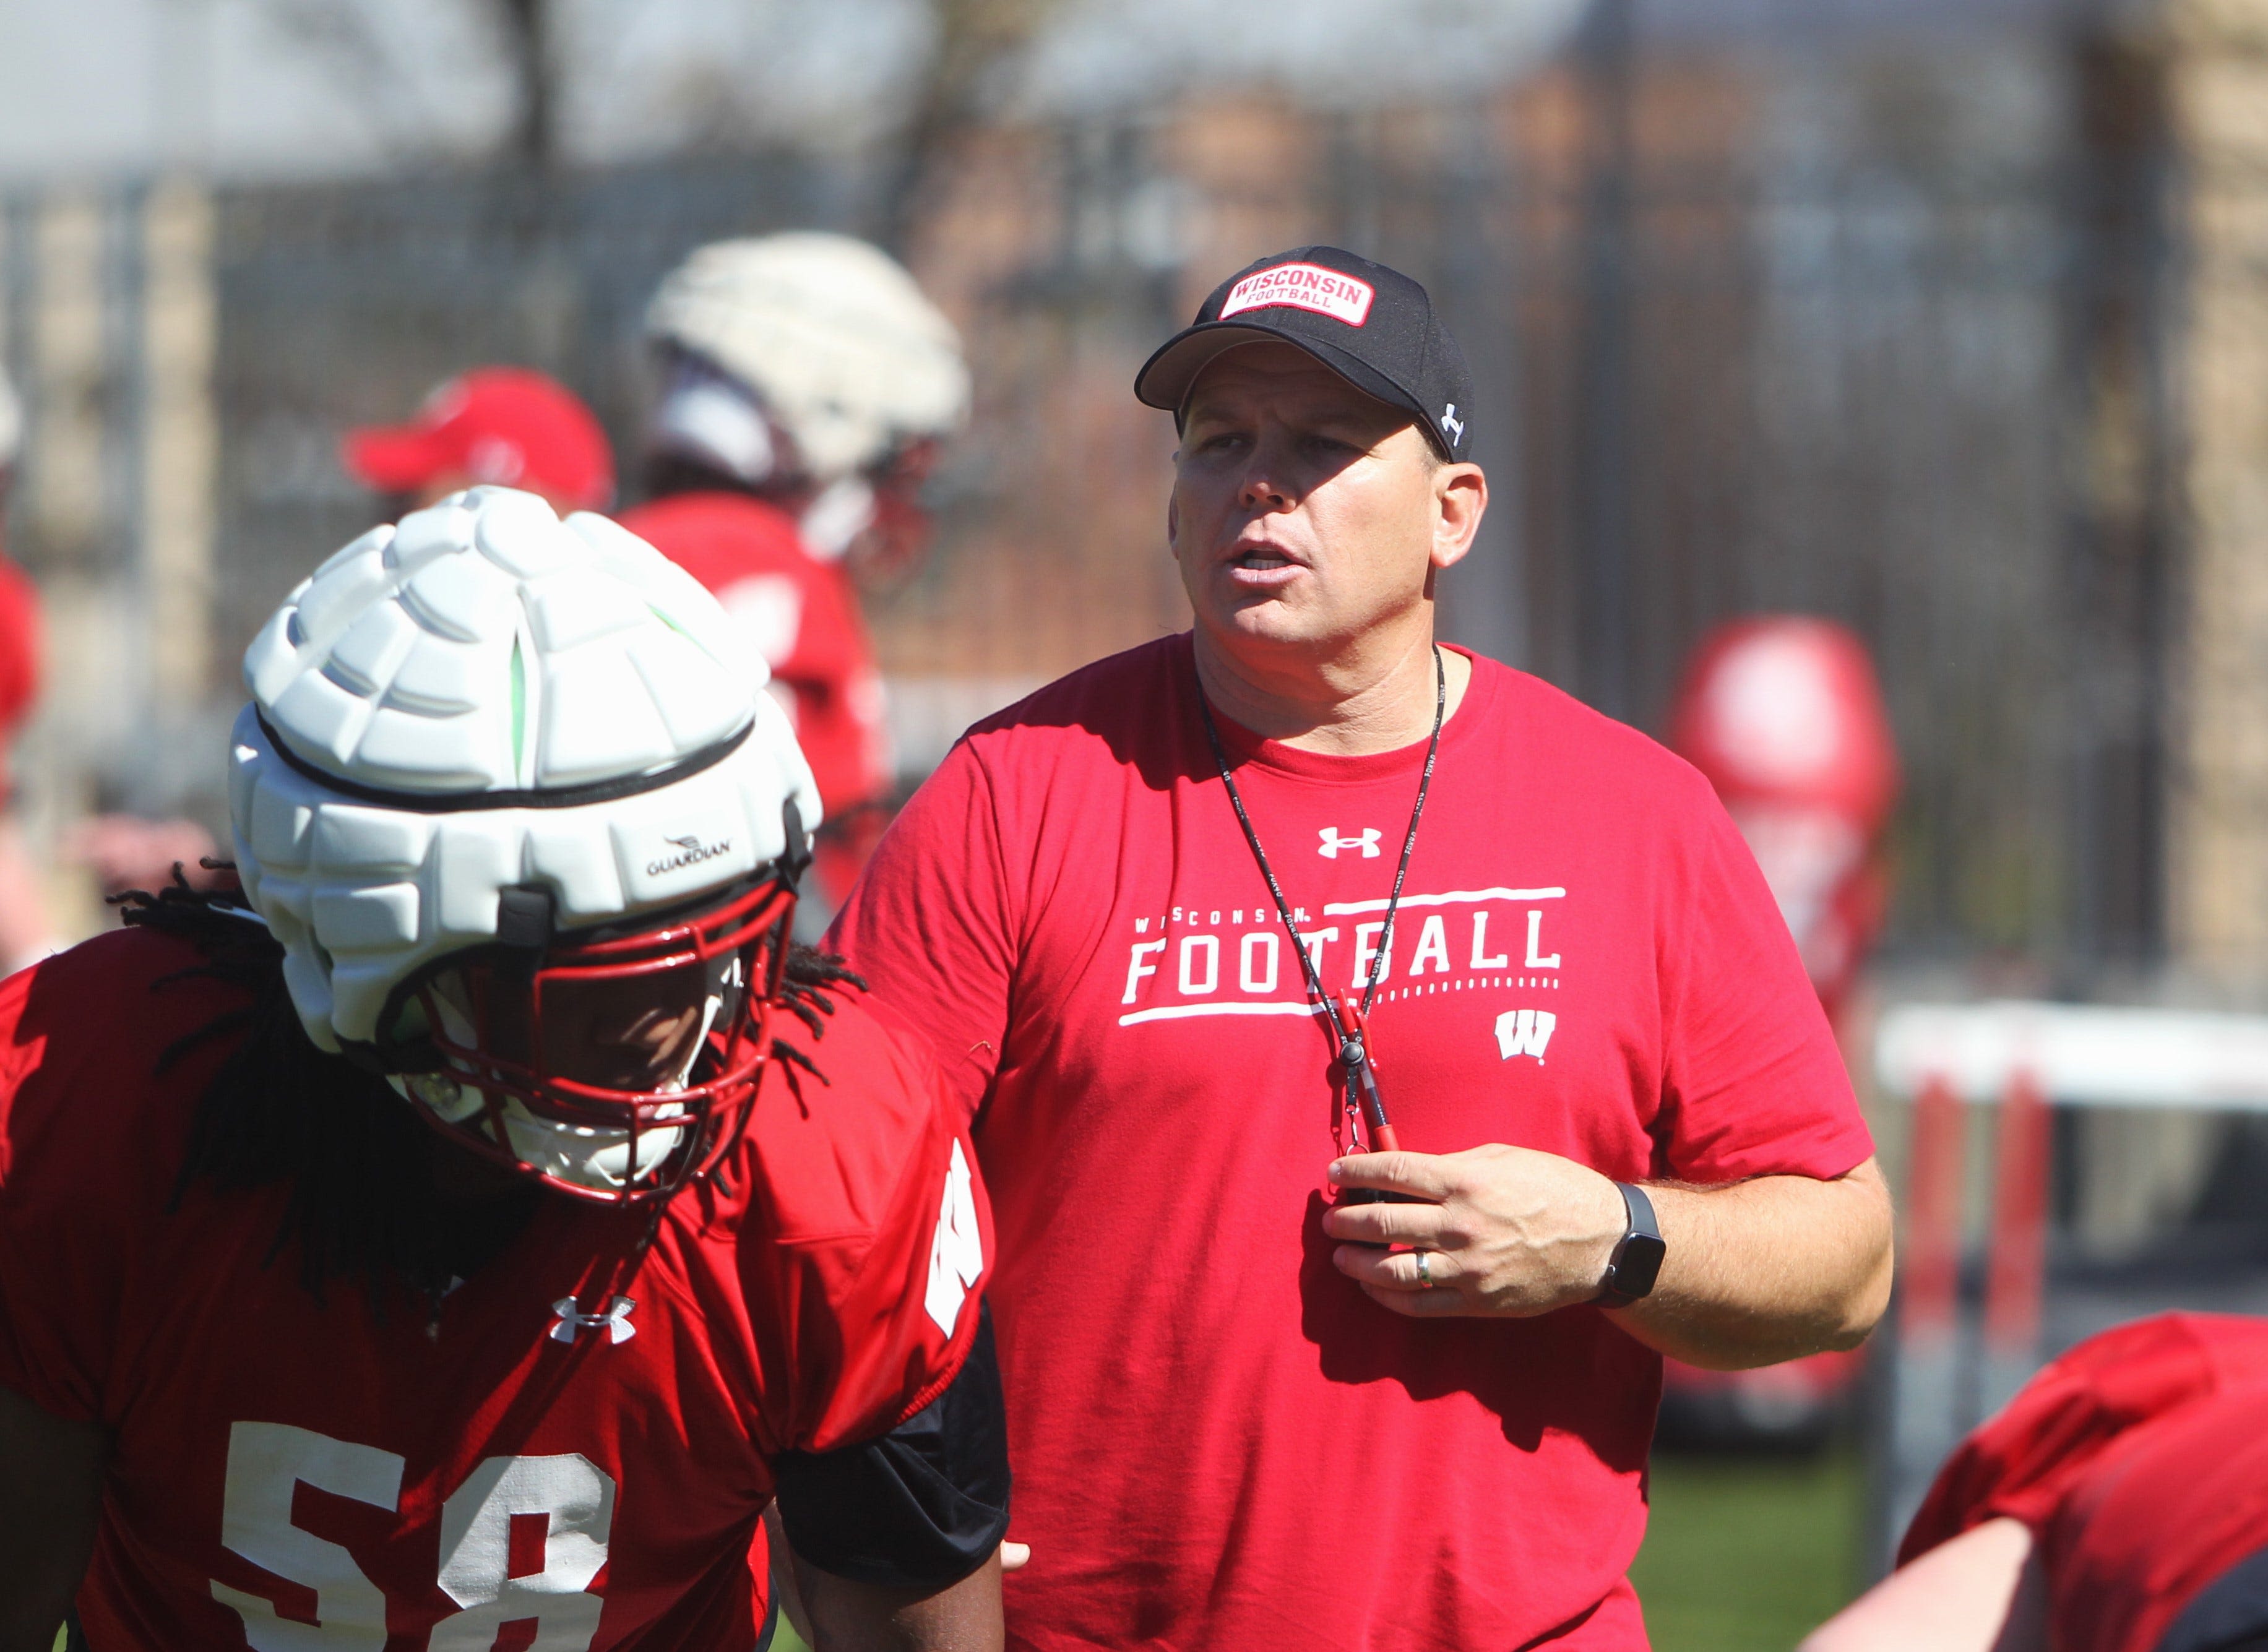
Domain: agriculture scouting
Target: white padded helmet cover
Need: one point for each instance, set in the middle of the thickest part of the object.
(486, 647)
(833, 334)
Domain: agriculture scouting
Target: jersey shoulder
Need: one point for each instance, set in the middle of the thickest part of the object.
(109, 1043)
(865, 1237)
(19, 644)
(722, 539)
(834, 1150)
(2081, 1407)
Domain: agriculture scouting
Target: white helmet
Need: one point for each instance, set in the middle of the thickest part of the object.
(837, 342)
(494, 761)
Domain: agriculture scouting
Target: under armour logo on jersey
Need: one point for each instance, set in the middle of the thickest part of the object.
(1524, 1032)
(956, 1253)
(1366, 841)
(1452, 423)
(572, 1320)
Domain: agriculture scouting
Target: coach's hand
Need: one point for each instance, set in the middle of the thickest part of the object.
(1506, 1230)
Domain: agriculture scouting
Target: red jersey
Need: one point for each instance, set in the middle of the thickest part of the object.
(1219, 1441)
(599, 1467)
(2139, 1460)
(801, 614)
(19, 657)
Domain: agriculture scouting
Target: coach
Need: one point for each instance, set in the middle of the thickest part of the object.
(1198, 927)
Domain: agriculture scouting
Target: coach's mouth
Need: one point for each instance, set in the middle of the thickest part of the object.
(1263, 566)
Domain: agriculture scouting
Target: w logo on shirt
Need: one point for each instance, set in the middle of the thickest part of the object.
(1366, 841)
(1524, 1032)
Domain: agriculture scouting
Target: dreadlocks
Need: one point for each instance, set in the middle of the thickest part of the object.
(363, 1205)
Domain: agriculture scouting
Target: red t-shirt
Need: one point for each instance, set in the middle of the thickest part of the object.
(802, 614)
(1219, 1442)
(2139, 1460)
(395, 1479)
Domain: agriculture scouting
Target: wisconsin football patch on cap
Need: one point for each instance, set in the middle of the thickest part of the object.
(1304, 287)
(1371, 325)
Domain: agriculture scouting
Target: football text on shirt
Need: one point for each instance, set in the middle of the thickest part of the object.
(1195, 960)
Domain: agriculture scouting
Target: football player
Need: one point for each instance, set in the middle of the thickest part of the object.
(508, 425)
(807, 385)
(457, 1239)
(25, 933)
(2114, 1505)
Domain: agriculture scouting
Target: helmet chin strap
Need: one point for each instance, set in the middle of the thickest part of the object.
(709, 1014)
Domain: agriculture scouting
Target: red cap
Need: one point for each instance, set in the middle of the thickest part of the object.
(507, 425)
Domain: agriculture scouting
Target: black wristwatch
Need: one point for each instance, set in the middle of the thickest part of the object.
(1636, 1261)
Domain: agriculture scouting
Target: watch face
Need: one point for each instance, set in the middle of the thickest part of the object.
(1638, 1264)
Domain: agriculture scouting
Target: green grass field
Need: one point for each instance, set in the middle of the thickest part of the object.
(1747, 1555)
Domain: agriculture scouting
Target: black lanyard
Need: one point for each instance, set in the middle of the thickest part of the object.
(1343, 1021)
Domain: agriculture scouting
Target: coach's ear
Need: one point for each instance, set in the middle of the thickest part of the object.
(1172, 520)
(1459, 501)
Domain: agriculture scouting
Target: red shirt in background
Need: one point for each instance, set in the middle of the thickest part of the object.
(2139, 1460)
(19, 659)
(446, 1469)
(1219, 1442)
(802, 614)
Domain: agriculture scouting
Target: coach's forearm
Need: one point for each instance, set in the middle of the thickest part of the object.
(1767, 1270)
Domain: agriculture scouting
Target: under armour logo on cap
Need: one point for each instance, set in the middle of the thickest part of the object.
(616, 1319)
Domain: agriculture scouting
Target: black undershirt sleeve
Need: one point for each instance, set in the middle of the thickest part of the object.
(921, 1506)
(2229, 1614)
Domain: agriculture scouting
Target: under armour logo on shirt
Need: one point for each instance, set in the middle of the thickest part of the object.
(1368, 842)
(572, 1320)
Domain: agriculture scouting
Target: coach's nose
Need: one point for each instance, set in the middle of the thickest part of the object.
(1261, 490)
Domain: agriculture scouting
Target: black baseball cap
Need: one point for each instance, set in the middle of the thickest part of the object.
(1372, 326)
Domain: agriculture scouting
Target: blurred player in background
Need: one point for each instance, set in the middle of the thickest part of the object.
(456, 1236)
(509, 426)
(1784, 715)
(2119, 1503)
(807, 386)
(25, 933)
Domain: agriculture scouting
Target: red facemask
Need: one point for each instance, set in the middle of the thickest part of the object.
(624, 1058)
(889, 550)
